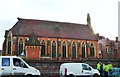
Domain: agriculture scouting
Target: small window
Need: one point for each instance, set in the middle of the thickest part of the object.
(100, 52)
(33, 39)
(107, 51)
(5, 61)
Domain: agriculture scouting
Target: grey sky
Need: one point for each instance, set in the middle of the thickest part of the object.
(104, 13)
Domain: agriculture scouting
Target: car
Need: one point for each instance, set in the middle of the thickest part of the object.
(77, 69)
(114, 72)
(13, 66)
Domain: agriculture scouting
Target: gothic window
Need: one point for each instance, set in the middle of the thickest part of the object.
(43, 48)
(92, 50)
(9, 45)
(64, 50)
(53, 49)
(83, 50)
(73, 50)
(20, 47)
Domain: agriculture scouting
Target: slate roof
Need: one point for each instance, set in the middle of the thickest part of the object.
(106, 42)
(45, 28)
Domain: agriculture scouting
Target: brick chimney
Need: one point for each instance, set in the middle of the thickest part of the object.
(116, 39)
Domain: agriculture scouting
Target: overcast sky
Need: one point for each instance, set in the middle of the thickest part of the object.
(104, 13)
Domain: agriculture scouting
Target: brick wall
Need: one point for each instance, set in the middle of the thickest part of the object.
(51, 68)
(47, 69)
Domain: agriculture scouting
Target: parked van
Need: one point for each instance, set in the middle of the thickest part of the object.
(16, 66)
(77, 69)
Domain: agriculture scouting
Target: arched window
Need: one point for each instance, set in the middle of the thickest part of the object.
(43, 48)
(20, 47)
(64, 50)
(54, 49)
(83, 50)
(92, 50)
(9, 45)
(73, 50)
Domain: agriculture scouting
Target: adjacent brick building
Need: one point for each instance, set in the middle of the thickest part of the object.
(43, 39)
(108, 49)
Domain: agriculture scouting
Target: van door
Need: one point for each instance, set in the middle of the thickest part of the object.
(6, 68)
(86, 70)
(19, 67)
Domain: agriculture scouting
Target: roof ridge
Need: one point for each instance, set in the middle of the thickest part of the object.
(65, 22)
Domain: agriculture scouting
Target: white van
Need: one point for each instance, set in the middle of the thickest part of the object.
(77, 69)
(16, 66)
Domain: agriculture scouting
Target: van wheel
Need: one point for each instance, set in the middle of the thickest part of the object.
(95, 75)
(28, 76)
(71, 75)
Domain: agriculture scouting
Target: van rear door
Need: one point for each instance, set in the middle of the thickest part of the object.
(6, 68)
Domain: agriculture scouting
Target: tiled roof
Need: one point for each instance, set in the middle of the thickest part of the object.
(106, 42)
(45, 28)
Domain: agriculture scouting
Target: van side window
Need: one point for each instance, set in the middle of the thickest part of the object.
(5, 61)
(85, 67)
(16, 62)
(19, 63)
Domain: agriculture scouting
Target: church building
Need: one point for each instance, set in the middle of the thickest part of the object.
(43, 39)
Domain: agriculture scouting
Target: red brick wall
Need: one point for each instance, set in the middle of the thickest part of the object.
(32, 52)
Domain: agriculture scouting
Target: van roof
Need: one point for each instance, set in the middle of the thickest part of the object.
(72, 63)
(9, 56)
